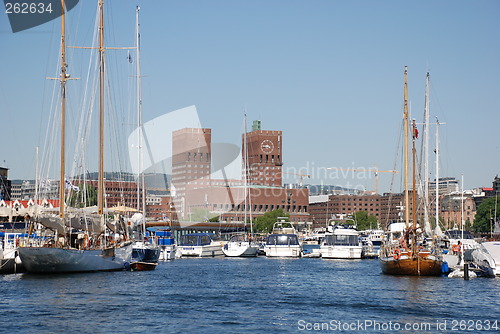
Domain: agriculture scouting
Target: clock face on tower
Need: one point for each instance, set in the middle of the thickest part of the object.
(267, 146)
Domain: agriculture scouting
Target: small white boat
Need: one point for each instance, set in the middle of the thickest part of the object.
(493, 249)
(10, 263)
(342, 243)
(283, 242)
(460, 273)
(240, 246)
(200, 245)
(167, 244)
(376, 237)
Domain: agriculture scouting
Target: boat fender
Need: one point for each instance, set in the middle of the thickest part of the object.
(444, 267)
(397, 254)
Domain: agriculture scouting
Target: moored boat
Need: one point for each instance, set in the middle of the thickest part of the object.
(10, 262)
(405, 250)
(166, 242)
(200, 245)
(143, 266)
(341, 243)
(99, 244)
(240, 245)
(283, 241)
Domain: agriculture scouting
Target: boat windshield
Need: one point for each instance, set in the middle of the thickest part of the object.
(238, 238)
(457, 234)
(341, 240)
(282, 239)
(195, 240)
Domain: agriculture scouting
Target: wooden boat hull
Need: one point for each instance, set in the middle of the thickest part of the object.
(409, 266)
(143, 266)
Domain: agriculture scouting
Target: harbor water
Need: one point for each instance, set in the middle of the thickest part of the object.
(248, 295)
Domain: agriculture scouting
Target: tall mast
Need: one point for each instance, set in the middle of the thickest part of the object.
(426, 151)
(37, 186)
(437, 174)
(141, 184)
(100, 182)
(245, 173)
(62, 80)
(462, 221)
(405, 150)
(414, 178)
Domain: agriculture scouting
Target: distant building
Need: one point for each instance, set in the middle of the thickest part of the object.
(486, 192)
(392, 208)
(117, 193)
(447, 185)
(323, 208)
(159, 208)
(451, 209)
(5, 184)
(23, 190)
(198, 197)
(264, 158)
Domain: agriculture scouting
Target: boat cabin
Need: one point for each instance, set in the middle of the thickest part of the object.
(198, 239)
(282, 240)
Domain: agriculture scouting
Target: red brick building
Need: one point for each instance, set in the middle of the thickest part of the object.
(322, 208)
(198, 197)
(264, 157)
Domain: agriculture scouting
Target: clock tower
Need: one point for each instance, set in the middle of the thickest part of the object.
(264, 151)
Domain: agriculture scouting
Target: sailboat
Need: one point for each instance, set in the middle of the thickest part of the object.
(74, 248)
(241, 245)
(145, 252)
(405, 251)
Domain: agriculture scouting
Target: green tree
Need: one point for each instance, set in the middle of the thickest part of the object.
(199, 214)
(76, 199)
(484, 213)
(364, 221)
(264, 224)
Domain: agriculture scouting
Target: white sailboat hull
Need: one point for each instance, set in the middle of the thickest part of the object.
(62, 260)
(240, 249)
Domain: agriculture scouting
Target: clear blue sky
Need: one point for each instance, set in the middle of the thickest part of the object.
(329, 74)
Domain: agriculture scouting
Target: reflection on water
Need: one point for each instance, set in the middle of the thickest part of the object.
(238, 295)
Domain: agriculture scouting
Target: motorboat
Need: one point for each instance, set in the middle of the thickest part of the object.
(10, 263)
(341, 243)
(493, 249)
(167, 244)
(200, 245)
(240, 245)
(283, 241)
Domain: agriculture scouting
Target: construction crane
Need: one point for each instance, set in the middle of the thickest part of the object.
(300, 175)
(371, 170)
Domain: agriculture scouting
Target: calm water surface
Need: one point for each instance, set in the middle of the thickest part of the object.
(257, 295)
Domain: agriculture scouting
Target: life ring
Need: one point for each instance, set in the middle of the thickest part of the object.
(397, 254)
